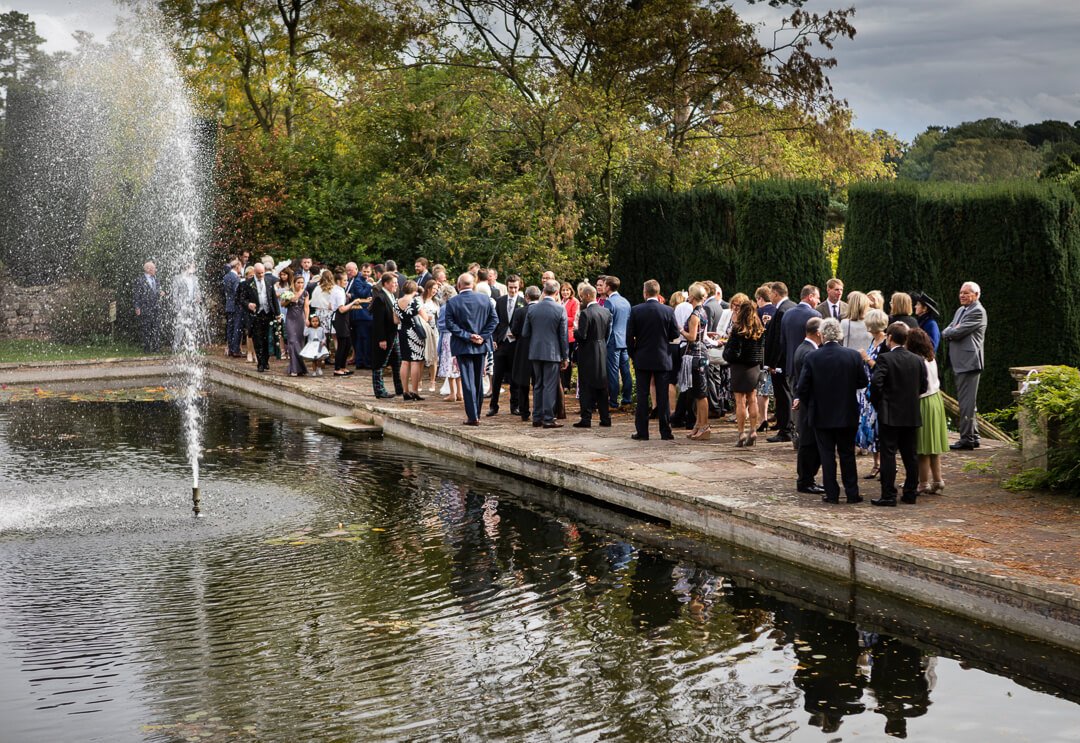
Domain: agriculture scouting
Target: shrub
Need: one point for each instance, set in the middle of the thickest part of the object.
(780, 229)
(1054, 392)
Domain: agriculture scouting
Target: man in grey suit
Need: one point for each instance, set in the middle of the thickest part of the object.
(965, 334)
(549, 351)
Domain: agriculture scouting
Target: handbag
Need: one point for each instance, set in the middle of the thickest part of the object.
(716, 355)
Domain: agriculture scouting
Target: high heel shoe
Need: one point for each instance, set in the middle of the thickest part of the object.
(693, 433)
(763, 427)
(701, 434)
(742, 441)
(873, 473)
(251, 358)
(751, 439)
(937, 486)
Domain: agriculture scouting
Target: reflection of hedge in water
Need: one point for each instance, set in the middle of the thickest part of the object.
(739, 237)
(1019, 241)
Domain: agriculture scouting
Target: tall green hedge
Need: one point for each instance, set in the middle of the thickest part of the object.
(1019, 241)
(739, 237)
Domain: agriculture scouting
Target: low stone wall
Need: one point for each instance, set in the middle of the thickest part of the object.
(26, 311)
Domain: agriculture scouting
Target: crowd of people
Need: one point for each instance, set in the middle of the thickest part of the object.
(846, 376)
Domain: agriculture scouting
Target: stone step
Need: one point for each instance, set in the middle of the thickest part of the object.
(348, 427)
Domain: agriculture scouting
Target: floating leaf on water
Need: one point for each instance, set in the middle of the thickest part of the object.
(377, 528)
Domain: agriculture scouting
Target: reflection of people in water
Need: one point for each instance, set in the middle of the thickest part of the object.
(901, 679)
(652, 602)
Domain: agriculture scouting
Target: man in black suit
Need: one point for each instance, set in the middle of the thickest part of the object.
(594, 324)
(650, 329)
(507, 307)
(384, 336)
(828, 381)
(521, 374)
(899, 378)
(808, 461)
(422, 274)
(262, 305)
(146, 295)
(792, 333)
(774, 362)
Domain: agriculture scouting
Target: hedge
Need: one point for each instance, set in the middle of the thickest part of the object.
(1020, 241)
(739, 237)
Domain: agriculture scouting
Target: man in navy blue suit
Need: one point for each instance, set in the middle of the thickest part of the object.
(618, 360)
(792, 333)
(470, 319)
(828, 381)
(360, 318)
(649, 331)
(234, 317)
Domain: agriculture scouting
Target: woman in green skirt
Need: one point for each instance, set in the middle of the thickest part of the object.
(933, 437)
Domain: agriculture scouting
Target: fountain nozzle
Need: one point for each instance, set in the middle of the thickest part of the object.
(195, 501)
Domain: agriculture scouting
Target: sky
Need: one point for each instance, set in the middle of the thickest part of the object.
(912, 63)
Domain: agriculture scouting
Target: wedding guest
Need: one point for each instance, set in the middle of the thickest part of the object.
(854, 327)
(694, 362)
(899, 379)
(766, 311)
(340, 308)
(594, 324)
(867, 436)
(412, 321)
(744, 353)
(926, 312)
(431, 338)
(900, 310)
(570, 304)
(296, 314)
(877, 299)
(932, 439)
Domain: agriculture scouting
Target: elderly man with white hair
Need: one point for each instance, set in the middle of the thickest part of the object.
(965, 335)
(470, 319)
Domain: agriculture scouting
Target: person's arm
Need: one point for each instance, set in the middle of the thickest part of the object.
(971, 322)
(564, 341)
(804, 385)
(877, 381)
(860, 375)
(691, 328)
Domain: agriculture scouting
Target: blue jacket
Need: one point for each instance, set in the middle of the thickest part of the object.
(650, 330)
(930, 327)
(231, 282)
(793, 331)
(620, 313)
(358, 288)
(466, 314)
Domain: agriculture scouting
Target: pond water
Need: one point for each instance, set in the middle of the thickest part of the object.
(450, 604)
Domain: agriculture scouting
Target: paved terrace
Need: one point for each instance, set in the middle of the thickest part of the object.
(1011, 560)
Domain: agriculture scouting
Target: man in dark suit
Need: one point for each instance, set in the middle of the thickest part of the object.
(618, 359)
(384, 337)
(234, 320)
(774, 361)
(261, 301)
(792, 332)
(827, 384)
(594, 325)
(470, 320)
(808, 461)
(506, 308)
(549, 350)
(146, 295)
(359, 287)
(422, 274)
(521, 374)
(649, 331)
(965, 335)
(834, 306)
(899, 378)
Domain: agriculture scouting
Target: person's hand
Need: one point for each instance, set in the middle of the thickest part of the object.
(138, 312)
(795, 404)
(476, 339)
(564, 365)
(251, 306)
(382, 345)
(865, 356)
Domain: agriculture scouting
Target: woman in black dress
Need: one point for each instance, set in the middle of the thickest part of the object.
(695, 358)
(744, 353)
(296, 314)
(411, 335)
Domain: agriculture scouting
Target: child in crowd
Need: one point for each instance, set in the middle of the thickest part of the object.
(315, 349)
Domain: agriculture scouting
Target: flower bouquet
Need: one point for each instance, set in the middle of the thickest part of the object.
(287, 297)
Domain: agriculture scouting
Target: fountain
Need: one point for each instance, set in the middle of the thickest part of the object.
(108, 170)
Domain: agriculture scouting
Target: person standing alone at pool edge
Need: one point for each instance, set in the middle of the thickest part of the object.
(965, 335)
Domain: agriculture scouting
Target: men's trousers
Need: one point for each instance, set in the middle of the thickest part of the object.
(890, 440)
(618, 367)
(503, 371)
(361, 336)
(808, 457)
(233, 325)
(833, 443)
(545, 390)
(783, 402)
(260, 337)
(150, 331)
(381, 359)
(967, 390)
(593, 398)
(472, 382)
(645, 378)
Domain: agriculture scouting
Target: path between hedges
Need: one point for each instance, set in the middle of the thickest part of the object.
(1031, 538)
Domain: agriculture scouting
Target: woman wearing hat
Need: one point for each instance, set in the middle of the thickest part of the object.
(926, 313)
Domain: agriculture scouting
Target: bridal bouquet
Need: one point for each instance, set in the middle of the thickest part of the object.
(287, 297)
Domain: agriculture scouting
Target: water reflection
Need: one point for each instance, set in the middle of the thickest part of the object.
(449, 609)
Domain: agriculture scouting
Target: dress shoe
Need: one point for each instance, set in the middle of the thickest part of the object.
(908, 498)
(855, 499)
(417, 397)
(779, 438)
(383, 396)
(553, 425)
(963, 446)
(814, 489)
(827, 499)
(667, 436)
(537, 424)
(471, 423)
(883, 502)
(514, 411)
(607, 424)
(582, 424)
(492, 412)
(636, 437)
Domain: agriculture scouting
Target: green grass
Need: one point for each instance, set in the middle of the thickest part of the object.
(21, 351)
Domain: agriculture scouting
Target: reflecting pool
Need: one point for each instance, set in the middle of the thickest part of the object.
(369, 590)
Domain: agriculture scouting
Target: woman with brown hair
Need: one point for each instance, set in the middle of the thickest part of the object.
(901, 310)
(932, 439)
(571, 305)
(744, 353)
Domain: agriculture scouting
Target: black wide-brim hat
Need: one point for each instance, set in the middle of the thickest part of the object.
(927, 302)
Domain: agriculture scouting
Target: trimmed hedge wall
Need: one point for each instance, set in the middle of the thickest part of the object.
(738, 237)
(1019, 241)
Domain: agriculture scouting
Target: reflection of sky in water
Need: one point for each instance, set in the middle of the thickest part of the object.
(448, 608)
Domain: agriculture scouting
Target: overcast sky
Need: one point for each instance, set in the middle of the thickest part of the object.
(912, 63)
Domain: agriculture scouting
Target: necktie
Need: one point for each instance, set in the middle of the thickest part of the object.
(836, 311)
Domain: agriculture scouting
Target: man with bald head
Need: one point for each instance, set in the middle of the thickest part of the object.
(147, 296)
(965, 335)
(261, 302)
(470, 319)
(360, 318)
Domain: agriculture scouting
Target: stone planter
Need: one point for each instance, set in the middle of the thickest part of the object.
(1037, 437)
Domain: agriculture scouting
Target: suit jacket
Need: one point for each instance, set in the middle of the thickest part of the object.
(502, 326)
(249, 293)
(965, 335)
(545, 331)
(594, 325)
(620, 315)
(358, 288)
(230, 282)
(774, 350)
(827, 384)
(793, 330)
(422, 279)
(805, 349)
(145, 297)
(899, 378)
(823, 310)
(649, 332)
(714, 310)
(383, 325)
(522, 372)
(467, 314)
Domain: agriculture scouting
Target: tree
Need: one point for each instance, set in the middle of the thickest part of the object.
(20, 53)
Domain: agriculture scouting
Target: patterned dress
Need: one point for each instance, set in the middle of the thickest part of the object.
(866, 436)
(410, 331)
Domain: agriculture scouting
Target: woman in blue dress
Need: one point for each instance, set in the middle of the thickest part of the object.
(866, 436)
